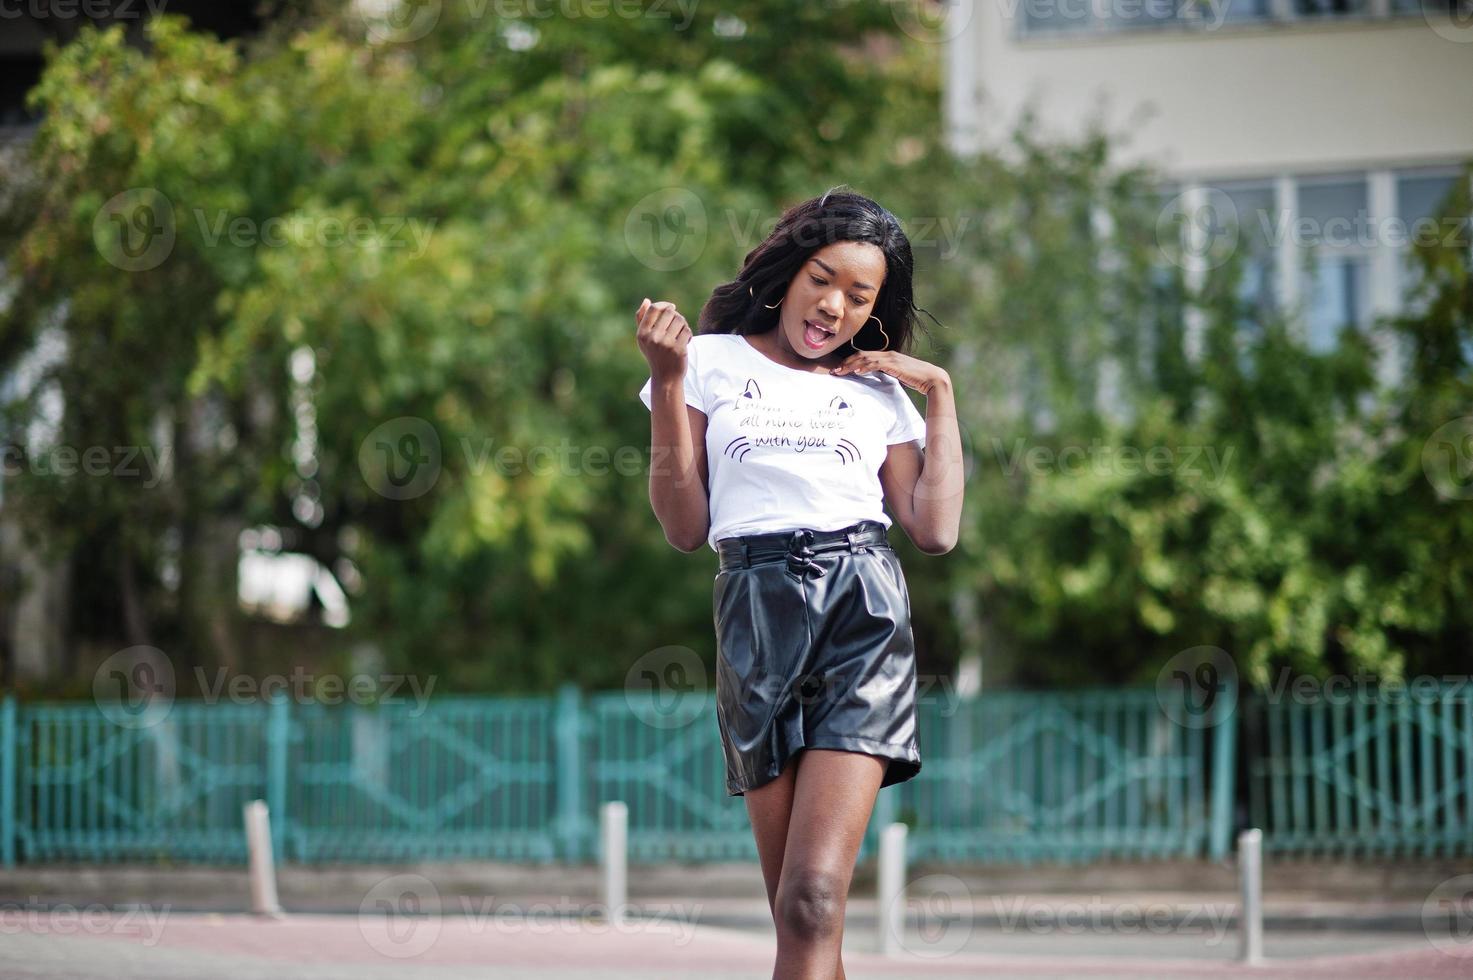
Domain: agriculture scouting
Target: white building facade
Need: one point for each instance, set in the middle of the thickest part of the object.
(1329, 129)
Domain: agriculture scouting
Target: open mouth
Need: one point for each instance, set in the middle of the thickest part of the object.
(815, 335)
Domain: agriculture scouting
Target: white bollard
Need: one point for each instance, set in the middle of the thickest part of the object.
(263, 864)
(892, 889)
(1250, 913)
(614, 834)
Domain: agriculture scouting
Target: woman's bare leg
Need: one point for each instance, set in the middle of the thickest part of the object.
(832, 795)
(768, 807)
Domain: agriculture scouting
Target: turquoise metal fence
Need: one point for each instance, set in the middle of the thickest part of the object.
(95, 785)
(464, 777)
(1007, 777)
(1387, 772)
(1022, 777)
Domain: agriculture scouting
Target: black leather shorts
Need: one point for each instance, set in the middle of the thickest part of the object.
(813, 650)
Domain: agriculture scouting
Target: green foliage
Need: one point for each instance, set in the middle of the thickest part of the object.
(1288, 517)
(492, 296)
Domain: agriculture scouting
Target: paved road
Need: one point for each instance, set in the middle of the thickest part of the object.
(93, 943)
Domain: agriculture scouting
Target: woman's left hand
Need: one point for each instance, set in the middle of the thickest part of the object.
(909, 371)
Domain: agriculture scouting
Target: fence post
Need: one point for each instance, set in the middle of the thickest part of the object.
(1250, 883)
(567, 727)
(1224, 775)
(891, 889)
(8, 771)
(614, 856)
(263, 864)
(278, 735)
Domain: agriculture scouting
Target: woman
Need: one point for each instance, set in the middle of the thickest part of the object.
(775, 434)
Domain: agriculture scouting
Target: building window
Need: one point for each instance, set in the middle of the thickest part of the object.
(1420, 196)
(1040, 19)
(1327, 8)
(1332, 230)
(1251, 210)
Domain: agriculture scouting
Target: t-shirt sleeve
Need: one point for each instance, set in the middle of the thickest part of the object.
(695, 395)
(909, 424)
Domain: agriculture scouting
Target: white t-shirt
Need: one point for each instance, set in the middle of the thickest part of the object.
(786, 448)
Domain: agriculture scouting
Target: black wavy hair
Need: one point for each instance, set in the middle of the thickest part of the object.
(740, 306)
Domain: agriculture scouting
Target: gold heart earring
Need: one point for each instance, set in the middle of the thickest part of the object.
(772, 307)
(885, 345)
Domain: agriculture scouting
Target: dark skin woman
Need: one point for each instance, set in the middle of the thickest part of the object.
(828, 292)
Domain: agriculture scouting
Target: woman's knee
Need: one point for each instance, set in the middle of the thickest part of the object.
(810, 903)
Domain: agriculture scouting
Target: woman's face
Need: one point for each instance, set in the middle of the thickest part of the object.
(835, 290)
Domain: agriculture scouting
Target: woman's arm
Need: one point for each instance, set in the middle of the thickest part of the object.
(924, 488)
(678, 478)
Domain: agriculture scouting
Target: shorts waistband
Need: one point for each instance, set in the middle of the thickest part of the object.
(798, 547)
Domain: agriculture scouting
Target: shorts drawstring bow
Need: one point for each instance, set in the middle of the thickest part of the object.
(801, 554)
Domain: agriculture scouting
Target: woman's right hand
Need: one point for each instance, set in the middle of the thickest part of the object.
(663, 335)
